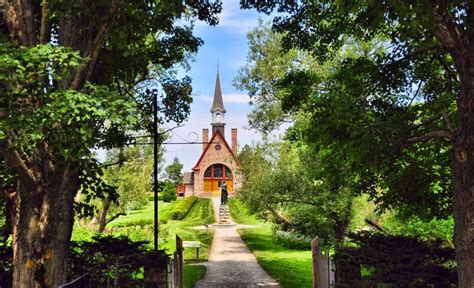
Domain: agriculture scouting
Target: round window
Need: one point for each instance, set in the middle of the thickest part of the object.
(218, 147)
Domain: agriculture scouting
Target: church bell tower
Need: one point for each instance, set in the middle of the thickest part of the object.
(218, 110)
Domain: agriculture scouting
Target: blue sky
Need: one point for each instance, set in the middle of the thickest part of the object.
(226, 42)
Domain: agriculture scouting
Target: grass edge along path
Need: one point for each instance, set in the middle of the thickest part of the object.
(200, 213)
(291, 268)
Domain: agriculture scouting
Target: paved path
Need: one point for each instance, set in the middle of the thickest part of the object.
(231, 264)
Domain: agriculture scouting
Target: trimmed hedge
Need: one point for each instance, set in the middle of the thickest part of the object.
(180, 210)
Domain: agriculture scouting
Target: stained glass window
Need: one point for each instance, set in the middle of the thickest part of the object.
(208, 172)
(228, 173)
(218, 171)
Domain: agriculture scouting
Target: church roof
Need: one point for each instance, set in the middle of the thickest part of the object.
(218, 104)
(188, 178)
(196, 167)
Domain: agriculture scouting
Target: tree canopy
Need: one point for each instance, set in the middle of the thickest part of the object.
(418, 90)
(72, 78)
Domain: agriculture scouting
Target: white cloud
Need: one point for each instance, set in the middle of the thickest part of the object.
(236, 98)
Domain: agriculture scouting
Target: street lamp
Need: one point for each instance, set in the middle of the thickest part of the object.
(155, 166)
(156, 145)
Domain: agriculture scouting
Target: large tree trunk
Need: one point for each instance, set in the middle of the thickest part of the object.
(463, 180)
(344, 271)
(103, 215)
(460, 45)
(43, 229)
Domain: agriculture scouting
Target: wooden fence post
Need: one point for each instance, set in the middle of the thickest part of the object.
(180, 266)
(315, 258)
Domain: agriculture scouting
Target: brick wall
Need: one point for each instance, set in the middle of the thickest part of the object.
(213, 156)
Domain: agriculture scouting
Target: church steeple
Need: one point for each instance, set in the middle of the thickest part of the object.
(217, 104)
(217, 109)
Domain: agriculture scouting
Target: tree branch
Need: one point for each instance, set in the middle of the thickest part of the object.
(448, 121)
(448, 69)
(14, 161)
(447, 33)
(115, 217)
(429, 136)
(93, 48)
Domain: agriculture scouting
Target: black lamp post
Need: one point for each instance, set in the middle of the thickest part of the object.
(155, 166)
(156, 144)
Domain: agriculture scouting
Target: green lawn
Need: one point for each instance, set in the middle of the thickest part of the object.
(145, 214)
(291, 268)
(193, 273)
(138, 226)
(201, 213)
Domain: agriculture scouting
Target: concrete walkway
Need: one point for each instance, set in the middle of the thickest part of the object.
(231, 264)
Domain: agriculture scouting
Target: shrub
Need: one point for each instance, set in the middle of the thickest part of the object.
(169, 192)
(180, 210)
(116, 258)
(291, 240)
(105, 259)
(397, 261)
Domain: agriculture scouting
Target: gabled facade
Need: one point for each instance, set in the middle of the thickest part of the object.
(218, 160)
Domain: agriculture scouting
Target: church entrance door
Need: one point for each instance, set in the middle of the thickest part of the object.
(214, 175)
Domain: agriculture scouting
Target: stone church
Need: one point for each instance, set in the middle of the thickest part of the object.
(218, 160)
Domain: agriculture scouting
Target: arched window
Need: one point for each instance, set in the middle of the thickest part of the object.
(218, 171)
(215, 175)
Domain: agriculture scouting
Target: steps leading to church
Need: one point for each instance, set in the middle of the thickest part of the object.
(224, 214)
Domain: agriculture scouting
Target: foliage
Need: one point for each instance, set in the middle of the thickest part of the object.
(93, 186)
(169, 191)
(102, 256)
(108, 256)
(401, 114)
(399, 261)
(174, 172)
(365, 103)
(260, 81)
(130, 173)
(181, 210)
(72, 79)
(436, 229)
(284, 183)
(291, 240)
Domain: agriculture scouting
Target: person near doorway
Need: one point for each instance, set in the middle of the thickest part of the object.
(224, 193)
